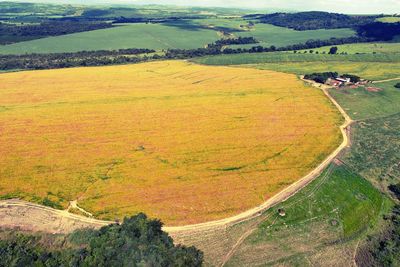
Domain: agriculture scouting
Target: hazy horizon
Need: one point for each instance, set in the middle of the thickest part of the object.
(342, 6)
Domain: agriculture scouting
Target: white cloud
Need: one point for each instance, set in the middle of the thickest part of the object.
(342, 6)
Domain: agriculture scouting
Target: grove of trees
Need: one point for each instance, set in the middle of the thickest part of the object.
(138, 241)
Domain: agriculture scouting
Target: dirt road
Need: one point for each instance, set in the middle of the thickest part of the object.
(16, 213)
(387, 80)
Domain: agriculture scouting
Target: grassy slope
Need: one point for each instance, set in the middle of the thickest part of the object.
(154, 36)
(375, 151)
(336, 207)
(362, 104)
(279, 36)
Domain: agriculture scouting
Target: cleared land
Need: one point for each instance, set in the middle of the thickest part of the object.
(182, 142)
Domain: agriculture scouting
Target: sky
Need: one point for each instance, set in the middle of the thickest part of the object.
(342, 6)
(345, 6)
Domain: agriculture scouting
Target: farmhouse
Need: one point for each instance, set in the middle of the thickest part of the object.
(343, 80)
(334, 82)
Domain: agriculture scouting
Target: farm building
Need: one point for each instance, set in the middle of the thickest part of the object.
(343, 80)
(334, 82)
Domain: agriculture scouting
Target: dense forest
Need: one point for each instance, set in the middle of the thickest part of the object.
(313, 20)
(11, 33)
(379, 30)
(138, 241)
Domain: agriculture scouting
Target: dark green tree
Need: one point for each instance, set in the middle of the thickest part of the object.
(333, 50)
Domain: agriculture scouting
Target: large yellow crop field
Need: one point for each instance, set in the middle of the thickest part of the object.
(181, 142)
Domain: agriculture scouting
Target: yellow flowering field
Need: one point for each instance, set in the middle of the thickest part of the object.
(182, 142)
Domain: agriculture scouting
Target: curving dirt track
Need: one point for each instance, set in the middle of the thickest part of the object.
(28, 216)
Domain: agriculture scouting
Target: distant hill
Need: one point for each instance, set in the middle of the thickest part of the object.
(313, 20)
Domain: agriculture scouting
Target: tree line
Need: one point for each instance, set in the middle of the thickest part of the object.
(124, 56)
(138, 241)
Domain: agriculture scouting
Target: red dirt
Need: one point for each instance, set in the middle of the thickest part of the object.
(373, 89)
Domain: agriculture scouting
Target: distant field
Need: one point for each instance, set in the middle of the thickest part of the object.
(366, 70)
(362, 104)
(153, 36)
(187, 34)
(389, 19)
(269, 35)
(279, 36)
(362, 48)
(368, 66)
(320, 223)
(284, 57)
(182, 142)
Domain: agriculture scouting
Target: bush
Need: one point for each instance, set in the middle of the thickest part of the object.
(321, 77)
(353, 78)
(397, 85)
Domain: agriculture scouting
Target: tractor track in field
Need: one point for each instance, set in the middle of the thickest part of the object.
(16, 213)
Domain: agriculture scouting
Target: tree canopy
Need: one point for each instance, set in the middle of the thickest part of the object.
(138, 241)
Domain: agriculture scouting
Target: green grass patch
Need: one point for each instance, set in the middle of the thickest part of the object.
(363, 104)
(375, 150)
(329, 214)
(280, 36)
(337, 193)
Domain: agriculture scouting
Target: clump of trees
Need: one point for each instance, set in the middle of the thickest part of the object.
(313, 20)
(395, 189)
(138, 241)
(333, 50)
(353, 78)
(237, 41)
(321, 77)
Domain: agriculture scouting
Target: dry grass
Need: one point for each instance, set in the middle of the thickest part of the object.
(182, 142)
